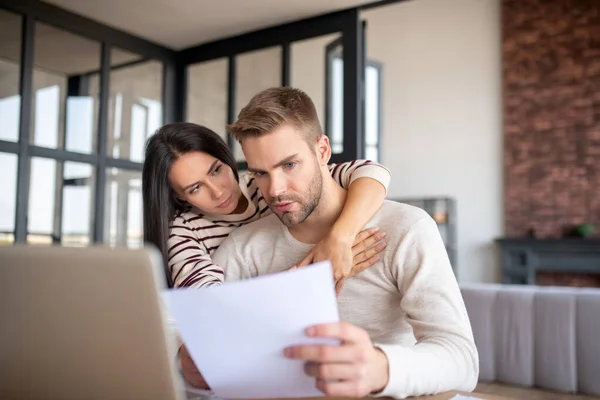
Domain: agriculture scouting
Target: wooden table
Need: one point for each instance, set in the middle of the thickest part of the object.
(441, 396)
(449, 395)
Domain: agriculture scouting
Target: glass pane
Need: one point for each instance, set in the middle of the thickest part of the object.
(207, 95)
(255, 71)
(6, 238)
(372, 105)
(42, 196)
(10, 59)
(336, 88)
(8, 196)
(135, 107)
(65, 103)
(308, 69)
(372, 153)
(43, 240)
(123, 224)
(77, 204)
(60, 202)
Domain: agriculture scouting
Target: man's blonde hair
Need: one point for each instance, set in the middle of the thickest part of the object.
(274, 107)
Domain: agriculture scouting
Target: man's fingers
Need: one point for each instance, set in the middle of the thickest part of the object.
(337, 371)
(348, 388)
(322, 353)
(367, 242)
(344, 331)
(368, 256)
(365, 233)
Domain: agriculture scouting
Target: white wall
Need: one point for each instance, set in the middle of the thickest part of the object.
(441, 128)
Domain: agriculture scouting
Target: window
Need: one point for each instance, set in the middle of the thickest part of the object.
(10, 104)
(372, 110)
(123, 215)
(75, 191)
(335, 97)
(135, 106)
(61, 202)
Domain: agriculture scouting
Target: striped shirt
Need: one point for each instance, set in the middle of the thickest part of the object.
(194, 236)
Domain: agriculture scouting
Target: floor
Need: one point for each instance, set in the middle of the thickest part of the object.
(522, 393)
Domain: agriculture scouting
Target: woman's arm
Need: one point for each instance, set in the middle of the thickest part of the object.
(367, 184)
(189, 262)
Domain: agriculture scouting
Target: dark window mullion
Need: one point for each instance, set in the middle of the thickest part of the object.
(9, 147)
(26, 91)
(63, 155)
(99, 193)
(231, 95)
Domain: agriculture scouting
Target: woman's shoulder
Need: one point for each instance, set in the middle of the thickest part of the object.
(188, 220)
(246, 178)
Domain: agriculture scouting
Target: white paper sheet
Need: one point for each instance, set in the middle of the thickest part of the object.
(236, 333)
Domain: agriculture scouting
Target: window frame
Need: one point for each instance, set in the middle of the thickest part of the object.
(334, 51)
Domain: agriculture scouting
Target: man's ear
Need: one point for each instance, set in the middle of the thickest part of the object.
(323, 150)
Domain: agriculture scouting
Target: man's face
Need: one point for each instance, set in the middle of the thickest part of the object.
(287, 172)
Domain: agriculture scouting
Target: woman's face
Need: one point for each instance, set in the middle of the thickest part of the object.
(206, 183)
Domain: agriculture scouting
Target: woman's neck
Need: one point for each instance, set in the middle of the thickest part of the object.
(241, 206)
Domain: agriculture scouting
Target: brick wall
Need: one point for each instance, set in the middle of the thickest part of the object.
(551, 67)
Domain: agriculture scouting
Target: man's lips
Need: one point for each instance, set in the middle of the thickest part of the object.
(284, 206)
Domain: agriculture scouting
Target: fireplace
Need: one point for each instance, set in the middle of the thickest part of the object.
(555, 262)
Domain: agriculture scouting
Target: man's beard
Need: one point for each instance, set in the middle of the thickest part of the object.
(307, 203)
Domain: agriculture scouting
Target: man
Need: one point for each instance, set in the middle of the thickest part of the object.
(405, 331)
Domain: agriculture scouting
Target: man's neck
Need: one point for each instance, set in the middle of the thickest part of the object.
(319, 223)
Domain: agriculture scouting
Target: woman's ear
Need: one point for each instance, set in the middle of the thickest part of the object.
(323, 150)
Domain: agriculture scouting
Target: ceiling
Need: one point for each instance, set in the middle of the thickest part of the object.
(182, 23)
(56, 50)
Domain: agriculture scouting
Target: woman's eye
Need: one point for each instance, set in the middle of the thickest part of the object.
(217, 170)
(195, 189)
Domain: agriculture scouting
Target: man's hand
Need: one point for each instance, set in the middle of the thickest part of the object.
(352, 369)
(189, 370)
(348, 255)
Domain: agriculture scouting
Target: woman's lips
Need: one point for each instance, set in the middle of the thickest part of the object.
(225, 203)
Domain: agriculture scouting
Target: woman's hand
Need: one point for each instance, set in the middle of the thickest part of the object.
(348, 256)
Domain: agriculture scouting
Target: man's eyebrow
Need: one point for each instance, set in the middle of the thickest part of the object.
(279, 164)
(286, 160)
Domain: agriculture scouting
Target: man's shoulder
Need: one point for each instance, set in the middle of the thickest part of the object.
(406, 213)
(396, 218)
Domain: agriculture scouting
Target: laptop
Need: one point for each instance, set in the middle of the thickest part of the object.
(85, 323)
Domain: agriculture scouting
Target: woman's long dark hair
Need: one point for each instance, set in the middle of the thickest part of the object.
(160, 205)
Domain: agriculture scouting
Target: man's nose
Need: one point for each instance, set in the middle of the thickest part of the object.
(277, 186)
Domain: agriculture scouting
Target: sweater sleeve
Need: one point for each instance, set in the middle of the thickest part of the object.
(346, 173)
(189, 261)
(444, 357)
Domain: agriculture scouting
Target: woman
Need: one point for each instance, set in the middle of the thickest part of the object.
(194, 197)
